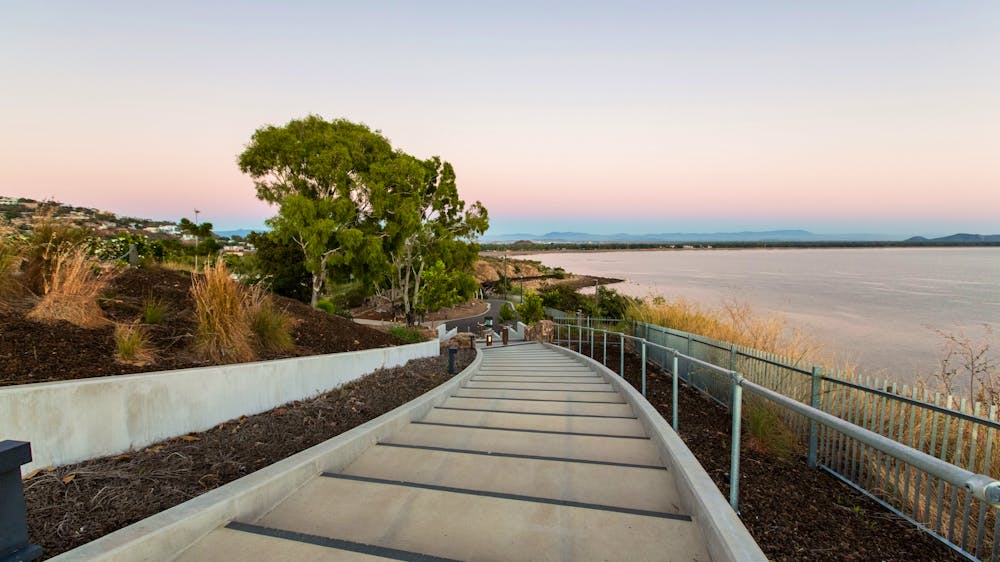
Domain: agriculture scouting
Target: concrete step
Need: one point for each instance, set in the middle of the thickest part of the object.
(566, 424)
(588, 379)
(231, 544)
(464, 526)
(542, 407)
(585, 447)
(603, 484)
(502, 385)
(558, 395)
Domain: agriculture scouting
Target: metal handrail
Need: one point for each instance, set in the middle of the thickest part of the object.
(841, 382)
(982, 486)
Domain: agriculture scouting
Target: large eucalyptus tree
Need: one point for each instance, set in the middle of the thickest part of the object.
(321, 174)
(348, 199)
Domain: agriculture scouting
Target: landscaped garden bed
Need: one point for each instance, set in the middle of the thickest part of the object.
(34, 351)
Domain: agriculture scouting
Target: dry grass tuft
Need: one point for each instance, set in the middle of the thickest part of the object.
(224, 332)
(734, 322)
(271, 326)
(11, 257)
(71, 288)
(133, 345)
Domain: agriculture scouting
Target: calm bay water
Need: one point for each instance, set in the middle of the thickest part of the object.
(878, 308)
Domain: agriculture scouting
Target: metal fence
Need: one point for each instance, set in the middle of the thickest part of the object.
(916, 455)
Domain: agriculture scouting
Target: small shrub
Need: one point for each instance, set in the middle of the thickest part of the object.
(407, 334)
(132, 345)
(154, 310)
(224, 333)
(326, 306)
(531, 309)
(507, 312)
(71, 289)
(271, 326)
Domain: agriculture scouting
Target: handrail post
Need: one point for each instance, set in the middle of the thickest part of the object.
(14, 543)
(604, 361)
(621, 347)
(817, 384)
(673, 398)
(732, 357)
(592, 335)
(689, 345)
(580, 348)
(734, 457)
(643, 368)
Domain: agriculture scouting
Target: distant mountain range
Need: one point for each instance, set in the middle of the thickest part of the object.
(960, 238)
(745, 236)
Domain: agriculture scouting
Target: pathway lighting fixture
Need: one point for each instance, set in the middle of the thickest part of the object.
(14, 543)
(452, 350)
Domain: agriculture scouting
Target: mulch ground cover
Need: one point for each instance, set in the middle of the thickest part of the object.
(792, 511)
(72, 505)
(33, 351)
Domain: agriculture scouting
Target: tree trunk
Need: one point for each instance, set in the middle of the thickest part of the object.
(319, 279)
(416, 284)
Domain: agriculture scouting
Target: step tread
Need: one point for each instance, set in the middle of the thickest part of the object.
(465, 527)
(634, 488)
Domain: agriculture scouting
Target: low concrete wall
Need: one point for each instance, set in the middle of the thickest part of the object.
(71, 421)
(727, 538)
(164, 535)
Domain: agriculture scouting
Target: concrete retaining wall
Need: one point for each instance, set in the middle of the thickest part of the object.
(164, 535)
(71, 421)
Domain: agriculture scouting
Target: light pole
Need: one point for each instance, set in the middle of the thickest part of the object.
(505, 296)
(196, 239)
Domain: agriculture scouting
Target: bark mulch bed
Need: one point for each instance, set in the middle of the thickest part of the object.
(792, 511)
(72, 505)
(33, 352)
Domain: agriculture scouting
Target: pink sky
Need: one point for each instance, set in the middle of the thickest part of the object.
(838, 118)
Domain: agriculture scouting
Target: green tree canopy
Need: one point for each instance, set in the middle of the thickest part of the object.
(352, 203)
(320, 173)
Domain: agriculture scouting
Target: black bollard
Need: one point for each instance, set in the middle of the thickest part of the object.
(451, 359)
(13, 517)
(472, 341)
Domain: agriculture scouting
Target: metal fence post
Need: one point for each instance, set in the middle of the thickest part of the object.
(817, 383)
(581, 339)
(732, 357)
(689, 345)
(13, 518)
(673, 398)
(605, 359)
(621, 344)
(734, 458)
(644, 368)
(592, 343)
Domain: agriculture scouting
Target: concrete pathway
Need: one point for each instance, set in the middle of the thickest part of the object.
(536, 457)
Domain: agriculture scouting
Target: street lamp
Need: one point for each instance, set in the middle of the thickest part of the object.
(196, 239)
(505, 296)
